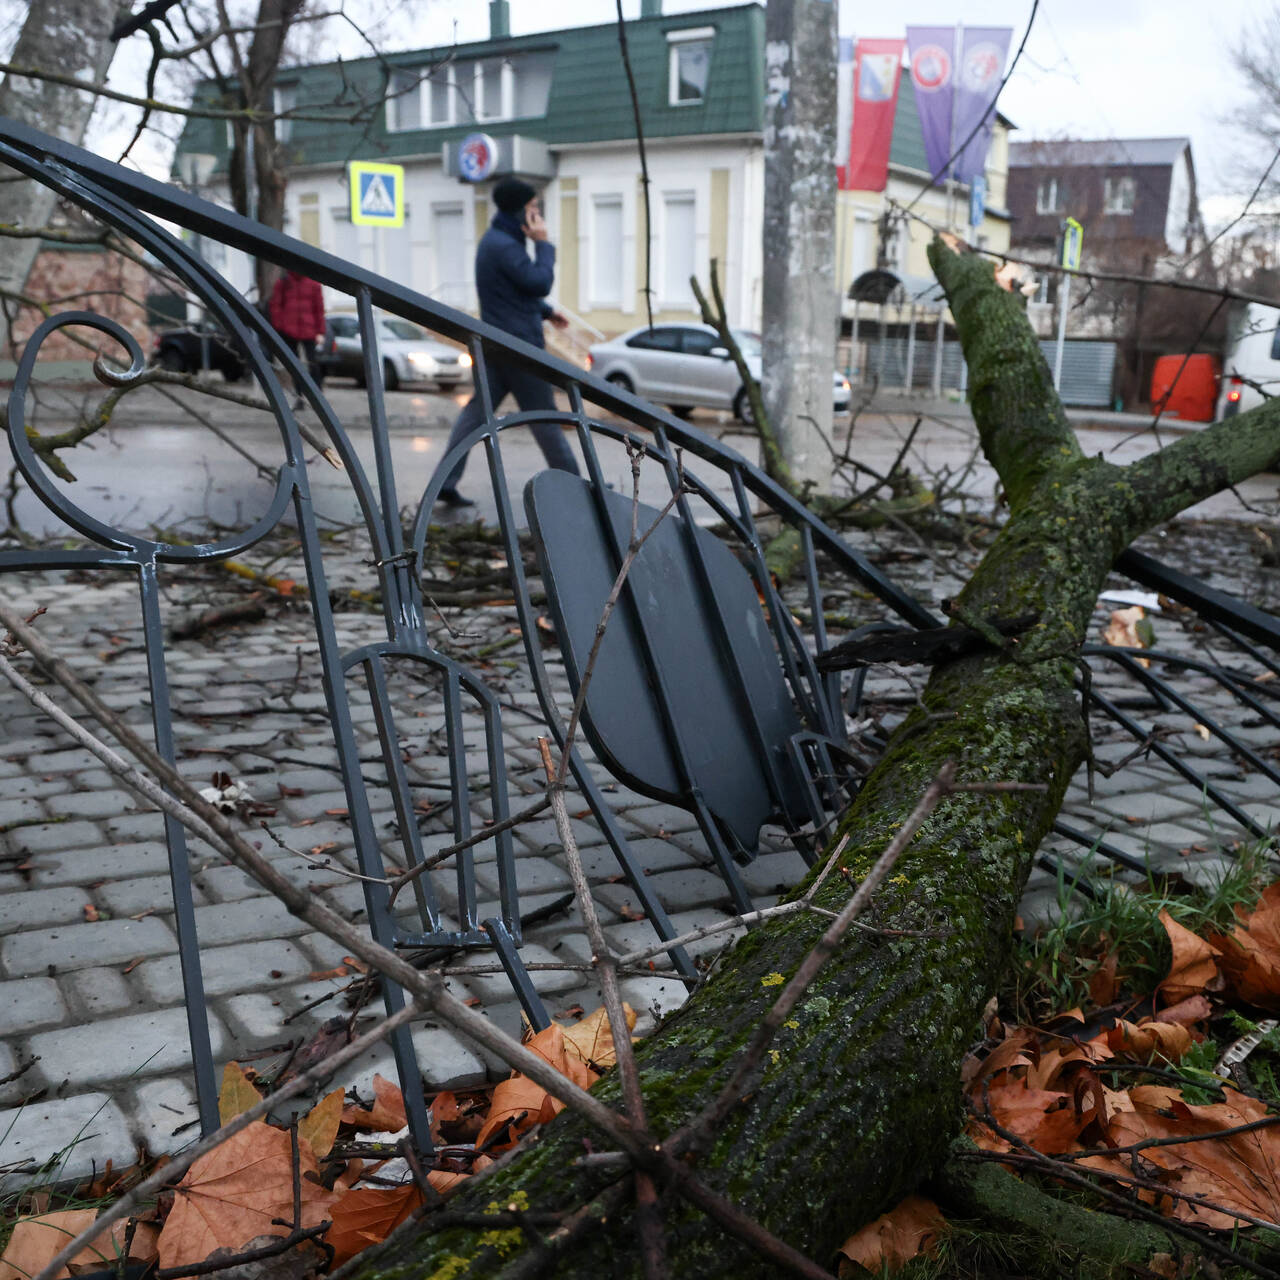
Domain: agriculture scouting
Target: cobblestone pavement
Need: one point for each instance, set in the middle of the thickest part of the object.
(93, 1044)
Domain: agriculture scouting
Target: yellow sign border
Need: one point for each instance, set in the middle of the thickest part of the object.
(357, 167)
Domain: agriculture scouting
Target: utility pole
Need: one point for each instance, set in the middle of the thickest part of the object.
(71, 37)
(799, 231)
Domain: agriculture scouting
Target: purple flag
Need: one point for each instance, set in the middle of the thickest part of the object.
(981, 69)
(932, 52)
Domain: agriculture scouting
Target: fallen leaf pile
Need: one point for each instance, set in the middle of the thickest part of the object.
(1104, 1081)
(241, 1195)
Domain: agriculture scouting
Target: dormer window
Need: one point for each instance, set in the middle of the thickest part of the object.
(464, 92)
(689, 62)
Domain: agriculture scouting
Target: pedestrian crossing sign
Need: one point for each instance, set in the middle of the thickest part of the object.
(377, 194)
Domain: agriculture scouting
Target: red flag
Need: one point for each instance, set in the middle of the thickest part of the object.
(877, 66)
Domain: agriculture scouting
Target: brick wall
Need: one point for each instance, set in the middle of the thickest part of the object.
(85, 280)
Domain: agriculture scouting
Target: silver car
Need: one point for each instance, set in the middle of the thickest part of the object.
(685, 366)
(409, 353)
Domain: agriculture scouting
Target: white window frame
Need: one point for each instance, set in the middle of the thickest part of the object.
(1051, 188)
(393, 103)
(1119, 195)
(450, 99)
(614, 199)
(675, 41)
(685, 301)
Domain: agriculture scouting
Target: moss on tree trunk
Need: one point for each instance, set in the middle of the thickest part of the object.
(860, 1100)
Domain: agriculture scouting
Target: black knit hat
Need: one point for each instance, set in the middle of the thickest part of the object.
(512, 194)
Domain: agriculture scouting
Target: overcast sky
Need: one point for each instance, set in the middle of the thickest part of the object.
(1092, 68)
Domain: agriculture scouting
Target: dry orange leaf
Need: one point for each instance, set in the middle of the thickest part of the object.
(525, 1103)
(1250, 956)
(37, 1240)
(387, 1113)
(320, 1125)
(1193, 967)
(896, 1237)
(1241, 1172)
(232, 1194)
(237, 1093)
(1170, 1040)
(444, 1182)
(591, 1039)
(366, 1216)
(1045, 1118)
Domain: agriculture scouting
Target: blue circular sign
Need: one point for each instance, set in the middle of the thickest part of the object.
(477, 155)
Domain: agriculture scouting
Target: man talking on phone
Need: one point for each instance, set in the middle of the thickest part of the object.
(512, 289)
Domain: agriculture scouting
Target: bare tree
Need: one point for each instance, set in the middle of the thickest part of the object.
(75, 37)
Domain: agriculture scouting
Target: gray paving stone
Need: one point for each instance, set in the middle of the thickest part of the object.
(110, 862)
(84, 836)
(69, 761)
(67, 947)
(134, 826)
(600, 863)
(28, 1003)
(143, 893)
(675, 890)
(68, 1138)
(22, 809)
(163, 1117)
(243, 967)
(89, 804)
(96, 992)
(139, 1044)
(39, 907)
(773, 873)
(245, 921)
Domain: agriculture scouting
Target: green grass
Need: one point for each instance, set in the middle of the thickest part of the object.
(1051, 970)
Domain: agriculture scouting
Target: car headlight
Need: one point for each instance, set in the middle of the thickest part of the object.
(464, 361)
(844, 384)
(421, 361)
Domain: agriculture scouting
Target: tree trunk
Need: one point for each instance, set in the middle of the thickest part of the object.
(256, 174)
(861, 1101)
(73, 37)
(799, 330)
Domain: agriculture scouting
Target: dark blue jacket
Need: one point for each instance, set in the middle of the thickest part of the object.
(510, 287)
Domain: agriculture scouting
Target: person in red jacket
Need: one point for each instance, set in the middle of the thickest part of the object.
(296, 313)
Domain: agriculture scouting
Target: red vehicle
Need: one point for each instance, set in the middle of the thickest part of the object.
(1186, 387)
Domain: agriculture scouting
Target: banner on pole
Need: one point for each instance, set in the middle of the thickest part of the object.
(931, 51)
(981, 68)
(952, 99)
(876, 73)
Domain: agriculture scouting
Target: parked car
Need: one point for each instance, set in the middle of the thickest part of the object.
(409, 353)
(182, 351)
(1251, 365)
(685, 366)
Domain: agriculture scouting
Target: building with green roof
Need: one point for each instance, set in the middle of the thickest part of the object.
(555, 107)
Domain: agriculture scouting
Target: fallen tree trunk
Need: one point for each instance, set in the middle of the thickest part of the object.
(860, 1100)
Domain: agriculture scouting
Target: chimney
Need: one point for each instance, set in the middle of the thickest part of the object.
(500, 19)
(651, 8)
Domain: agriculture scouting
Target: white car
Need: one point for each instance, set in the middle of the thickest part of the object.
(685, 366)
(409, 353)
